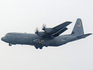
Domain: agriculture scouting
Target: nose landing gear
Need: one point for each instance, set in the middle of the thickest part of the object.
(10, 44)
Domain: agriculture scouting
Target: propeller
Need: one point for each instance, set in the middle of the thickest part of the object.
(36, 32)
(44, 27)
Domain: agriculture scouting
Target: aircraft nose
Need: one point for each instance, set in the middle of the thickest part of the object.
(2, 38)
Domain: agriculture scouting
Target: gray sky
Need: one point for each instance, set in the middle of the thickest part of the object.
(25, 15)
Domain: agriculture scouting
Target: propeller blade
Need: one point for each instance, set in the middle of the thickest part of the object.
(36, 32)
(44, 26)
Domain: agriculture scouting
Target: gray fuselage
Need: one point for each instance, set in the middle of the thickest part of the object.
(28, 39)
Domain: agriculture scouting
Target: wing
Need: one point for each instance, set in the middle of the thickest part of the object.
(63, 25)
(55, 31)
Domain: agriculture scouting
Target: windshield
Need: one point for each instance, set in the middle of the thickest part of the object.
(8, 34)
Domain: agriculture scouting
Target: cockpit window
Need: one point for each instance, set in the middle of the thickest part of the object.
(14, 34)
(8, 34)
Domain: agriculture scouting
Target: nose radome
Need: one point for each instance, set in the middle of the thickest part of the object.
(2, 38)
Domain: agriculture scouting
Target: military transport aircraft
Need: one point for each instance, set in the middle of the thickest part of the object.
(48, 37)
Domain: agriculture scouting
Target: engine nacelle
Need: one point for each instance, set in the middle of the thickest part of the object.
(48, 30)
(40, 33)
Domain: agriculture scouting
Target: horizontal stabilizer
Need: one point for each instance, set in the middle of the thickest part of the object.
(83, 36)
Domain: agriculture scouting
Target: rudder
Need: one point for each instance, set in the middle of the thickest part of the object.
(78, 28)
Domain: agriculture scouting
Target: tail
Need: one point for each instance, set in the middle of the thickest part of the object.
(78, 28)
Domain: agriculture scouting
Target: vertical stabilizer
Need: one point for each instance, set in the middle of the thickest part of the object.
(78, 28)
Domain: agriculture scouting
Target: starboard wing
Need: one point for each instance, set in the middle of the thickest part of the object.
(57, 30)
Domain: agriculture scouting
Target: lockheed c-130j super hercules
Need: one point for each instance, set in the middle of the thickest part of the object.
(48, 37)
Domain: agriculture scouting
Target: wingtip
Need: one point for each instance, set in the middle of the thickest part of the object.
(69, 21)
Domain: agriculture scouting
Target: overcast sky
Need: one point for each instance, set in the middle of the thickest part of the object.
(25, 15)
